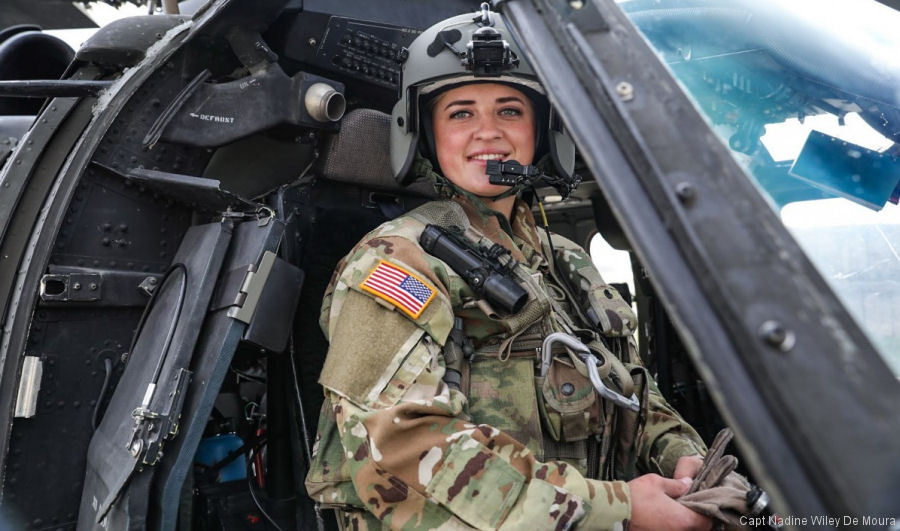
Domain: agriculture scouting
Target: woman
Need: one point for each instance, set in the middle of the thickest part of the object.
(439, 409)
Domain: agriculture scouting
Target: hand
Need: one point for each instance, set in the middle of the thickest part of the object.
(653, 505)
(687, 467)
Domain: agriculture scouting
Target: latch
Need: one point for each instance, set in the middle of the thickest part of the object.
(263, 215)
(66, 287)
(251, 289)
(153, 428)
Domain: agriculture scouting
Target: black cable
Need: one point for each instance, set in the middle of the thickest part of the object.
(152, 302)
(253, 492)
(320, 522)
(171, 334)
(107, 365)
(303, 426)
(211, 472)
(560, 275)
(179, 305)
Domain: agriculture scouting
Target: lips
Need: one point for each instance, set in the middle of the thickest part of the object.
(486, 156)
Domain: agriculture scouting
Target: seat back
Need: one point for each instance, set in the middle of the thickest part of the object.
(31, 55)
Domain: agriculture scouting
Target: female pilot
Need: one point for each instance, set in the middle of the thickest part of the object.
(446, 410)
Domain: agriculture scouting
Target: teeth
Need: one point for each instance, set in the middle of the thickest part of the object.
(488, 156)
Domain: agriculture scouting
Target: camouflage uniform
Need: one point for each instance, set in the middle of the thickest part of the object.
(397, 447)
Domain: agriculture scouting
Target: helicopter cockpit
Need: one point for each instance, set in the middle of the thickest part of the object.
(174, 207)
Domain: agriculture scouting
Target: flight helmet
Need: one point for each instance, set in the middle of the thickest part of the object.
(471, 48)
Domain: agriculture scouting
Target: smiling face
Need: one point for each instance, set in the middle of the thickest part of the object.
(479, 122)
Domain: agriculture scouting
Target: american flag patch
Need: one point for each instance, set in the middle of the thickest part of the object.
(399, 287)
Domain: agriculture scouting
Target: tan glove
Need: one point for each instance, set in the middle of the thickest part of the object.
(718, 491)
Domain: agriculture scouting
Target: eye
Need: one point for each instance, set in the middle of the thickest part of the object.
(458, 115)
(510, 111)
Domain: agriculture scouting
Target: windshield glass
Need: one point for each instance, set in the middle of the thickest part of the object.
(806, 94)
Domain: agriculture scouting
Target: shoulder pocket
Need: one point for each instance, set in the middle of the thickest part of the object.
(476, 485)
(367, 349)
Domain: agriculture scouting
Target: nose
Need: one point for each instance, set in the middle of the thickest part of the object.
(488, 128)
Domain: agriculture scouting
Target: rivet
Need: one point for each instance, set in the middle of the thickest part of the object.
(400, 121)
(567, 389)
(76, 286)
(625, 91)
(312, 42)
(777, 336)
(686, 192)
(93, 286)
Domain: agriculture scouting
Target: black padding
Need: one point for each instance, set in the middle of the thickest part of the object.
(6, 33)
(31, 55)
(359, 154)
(123, 42)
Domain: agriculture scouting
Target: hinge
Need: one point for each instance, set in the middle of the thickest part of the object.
(251, 289)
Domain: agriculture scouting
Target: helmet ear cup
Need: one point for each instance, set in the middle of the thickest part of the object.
(562, 150)
(403, 145)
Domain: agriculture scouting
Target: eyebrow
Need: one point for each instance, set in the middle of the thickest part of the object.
(505, 99)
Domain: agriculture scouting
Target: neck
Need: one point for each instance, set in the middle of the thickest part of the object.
(503, 206)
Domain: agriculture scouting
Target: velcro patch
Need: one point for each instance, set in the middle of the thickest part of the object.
(399, 287)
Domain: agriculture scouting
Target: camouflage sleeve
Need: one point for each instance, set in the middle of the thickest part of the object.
(413, 458)
(666, 436)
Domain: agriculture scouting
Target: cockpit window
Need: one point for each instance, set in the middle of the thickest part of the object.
(806, 95)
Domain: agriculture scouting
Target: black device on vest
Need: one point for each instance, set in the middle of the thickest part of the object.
(482, 270)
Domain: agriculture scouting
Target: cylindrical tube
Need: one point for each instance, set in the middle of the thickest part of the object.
(504, 292)
(324, 103)
(436, 243)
